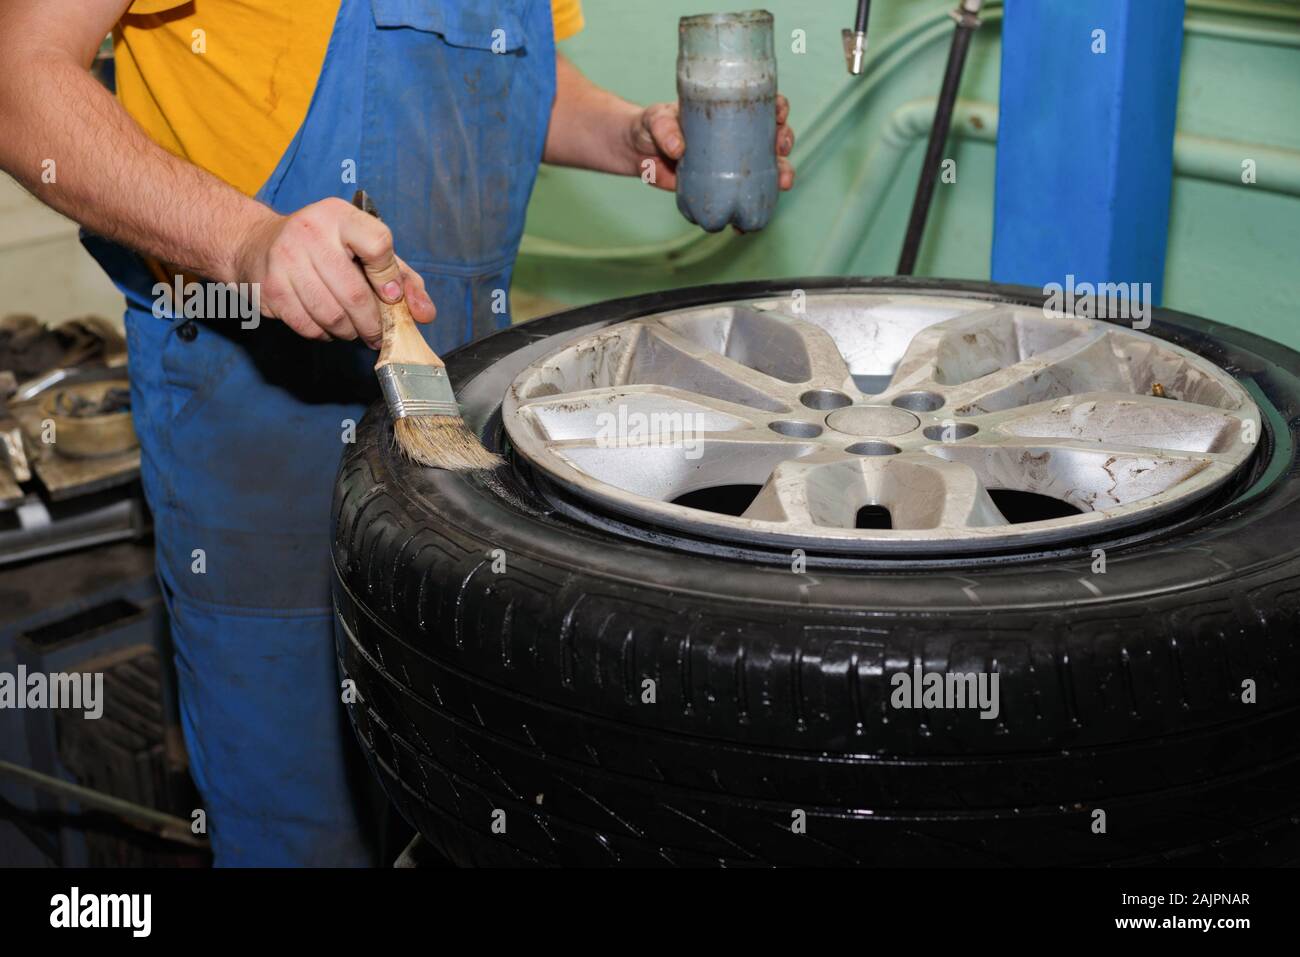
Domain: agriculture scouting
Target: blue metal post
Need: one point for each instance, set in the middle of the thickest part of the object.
(1085, 140)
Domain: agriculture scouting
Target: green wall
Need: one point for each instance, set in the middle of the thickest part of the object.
(1234, 249)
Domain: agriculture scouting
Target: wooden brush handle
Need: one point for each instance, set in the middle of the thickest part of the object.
(402, 341)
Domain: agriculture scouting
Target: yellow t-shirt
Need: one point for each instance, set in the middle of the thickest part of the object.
(233, 109)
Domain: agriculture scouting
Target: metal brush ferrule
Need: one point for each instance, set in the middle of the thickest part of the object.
(417, 390)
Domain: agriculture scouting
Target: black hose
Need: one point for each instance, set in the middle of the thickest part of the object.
(966, 25)
(860, 22)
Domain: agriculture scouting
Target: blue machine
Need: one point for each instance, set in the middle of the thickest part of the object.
(1085, 141)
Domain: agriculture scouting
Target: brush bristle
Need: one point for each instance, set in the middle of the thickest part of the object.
(442, 442)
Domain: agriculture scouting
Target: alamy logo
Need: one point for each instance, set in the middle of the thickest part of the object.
(1130, 301)
(946, 690)
(74, 909)
(76, 691)
(628, 427)
(209, 300)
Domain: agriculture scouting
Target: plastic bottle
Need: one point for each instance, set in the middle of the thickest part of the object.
(726, 85)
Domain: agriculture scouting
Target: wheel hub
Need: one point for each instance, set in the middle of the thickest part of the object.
(873, 420)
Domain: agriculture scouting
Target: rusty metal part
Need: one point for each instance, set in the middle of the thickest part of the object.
(165, 826)
(14, 467)
(66, 375)
(65, 477)
(917, 404)
(79, 430)
(13, 452)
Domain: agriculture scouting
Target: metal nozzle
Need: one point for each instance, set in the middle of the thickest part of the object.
(855, 50)
(967, 13)
(855, 40)
(417, 390)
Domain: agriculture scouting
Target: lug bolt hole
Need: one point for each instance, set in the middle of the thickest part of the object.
(950, 432)
(796, 430)
(825, 399)
(873, 448)
(919, 401)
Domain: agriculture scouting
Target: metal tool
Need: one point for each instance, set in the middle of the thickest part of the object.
(72, 374)
(855, 40)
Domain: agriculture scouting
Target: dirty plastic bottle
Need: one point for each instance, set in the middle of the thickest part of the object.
(726, 85)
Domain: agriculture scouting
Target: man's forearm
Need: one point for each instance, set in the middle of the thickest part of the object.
(590, 127)
(70, 142)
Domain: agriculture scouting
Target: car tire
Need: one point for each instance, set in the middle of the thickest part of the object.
(539, 685)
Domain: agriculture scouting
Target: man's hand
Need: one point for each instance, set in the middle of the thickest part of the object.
(656, 135)
(592, 128)
(306, 264)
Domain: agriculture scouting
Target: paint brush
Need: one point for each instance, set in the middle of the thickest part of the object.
(427, 423)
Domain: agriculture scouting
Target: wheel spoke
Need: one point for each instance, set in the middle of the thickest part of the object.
(624, 412)
(919, 491)
(922, 491)
(1083, 363)
(668, 466)
(1132, 422)
(820, 490)
(1088, 475)
(665, 357)
(872, 331)
(978, 344)
(827, 367)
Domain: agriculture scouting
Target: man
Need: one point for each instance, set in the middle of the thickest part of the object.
(239, 127)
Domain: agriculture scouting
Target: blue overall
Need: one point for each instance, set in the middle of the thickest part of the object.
(441, 108)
